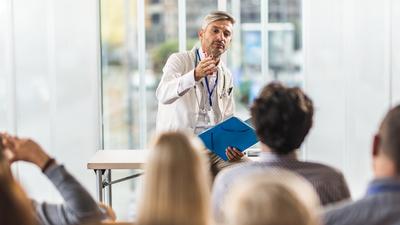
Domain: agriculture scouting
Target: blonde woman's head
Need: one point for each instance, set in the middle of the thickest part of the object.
(272, 198)
(176, 187)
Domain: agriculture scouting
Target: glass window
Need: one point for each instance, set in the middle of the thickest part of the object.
(195, 12)
(119, 63)
(119, 25)
(122, 80)
(284, 48)
(124, 117)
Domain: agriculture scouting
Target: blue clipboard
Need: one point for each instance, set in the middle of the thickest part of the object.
(230, 132)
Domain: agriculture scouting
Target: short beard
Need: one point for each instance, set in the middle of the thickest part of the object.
(216, 54)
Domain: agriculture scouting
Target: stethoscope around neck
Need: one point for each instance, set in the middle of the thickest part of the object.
(197, 60)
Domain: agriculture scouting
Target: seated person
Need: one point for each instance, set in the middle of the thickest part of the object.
(282, 118)
(380, 206)
(278, 198)
(79, 207)
(176, 184)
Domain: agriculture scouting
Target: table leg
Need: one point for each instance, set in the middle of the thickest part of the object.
(109, 189)
(99, 184)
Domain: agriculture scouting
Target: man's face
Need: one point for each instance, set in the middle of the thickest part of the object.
(216, 37)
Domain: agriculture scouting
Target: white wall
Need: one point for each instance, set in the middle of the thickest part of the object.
(6, 62)
(395, 51)
(52, 52)
(348, 72)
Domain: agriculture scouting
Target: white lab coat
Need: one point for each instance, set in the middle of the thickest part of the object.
(177, 112)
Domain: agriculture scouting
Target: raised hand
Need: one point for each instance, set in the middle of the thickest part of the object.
(24, 149)
(207, 66)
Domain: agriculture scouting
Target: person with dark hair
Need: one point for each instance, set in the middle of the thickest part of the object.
(380, 206)
(78, 208)
(282, 118)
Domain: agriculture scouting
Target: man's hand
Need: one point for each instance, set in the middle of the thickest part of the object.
(25, 150)
(207, 66)
(233, 154)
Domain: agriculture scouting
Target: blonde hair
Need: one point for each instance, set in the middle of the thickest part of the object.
(15, 207)
(272, 198)
(216, 16)
(176, 184)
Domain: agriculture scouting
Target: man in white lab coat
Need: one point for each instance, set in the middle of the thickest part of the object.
(196, 88)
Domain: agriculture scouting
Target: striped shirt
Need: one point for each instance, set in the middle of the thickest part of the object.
(328, 182)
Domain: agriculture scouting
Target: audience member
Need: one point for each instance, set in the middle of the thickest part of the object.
(282, 118)
(176, 184)
(265, 198)
(15, 207)
(79, 207)
(381, 204)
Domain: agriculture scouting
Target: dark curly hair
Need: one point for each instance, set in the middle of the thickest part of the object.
(282, 117)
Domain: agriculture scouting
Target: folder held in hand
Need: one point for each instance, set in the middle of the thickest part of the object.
(231, 132)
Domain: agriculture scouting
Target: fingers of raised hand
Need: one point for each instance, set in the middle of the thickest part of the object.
(210, 69)
(8, 141)
(9, 145)
(207, 66)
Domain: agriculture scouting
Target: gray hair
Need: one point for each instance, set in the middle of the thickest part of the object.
(216, 16)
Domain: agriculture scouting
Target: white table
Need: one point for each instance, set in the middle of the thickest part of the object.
(106, 160)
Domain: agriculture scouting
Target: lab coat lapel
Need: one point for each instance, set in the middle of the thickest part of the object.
(220, 86)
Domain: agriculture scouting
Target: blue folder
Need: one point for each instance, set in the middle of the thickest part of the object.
(231, 132)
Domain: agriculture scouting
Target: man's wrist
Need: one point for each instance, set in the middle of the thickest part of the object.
(195, 77)
(41, 160)
(48, 164)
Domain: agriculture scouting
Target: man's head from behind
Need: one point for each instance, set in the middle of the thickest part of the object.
(216, 33)
(282, 117)
(273, 197)
(386, 147)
